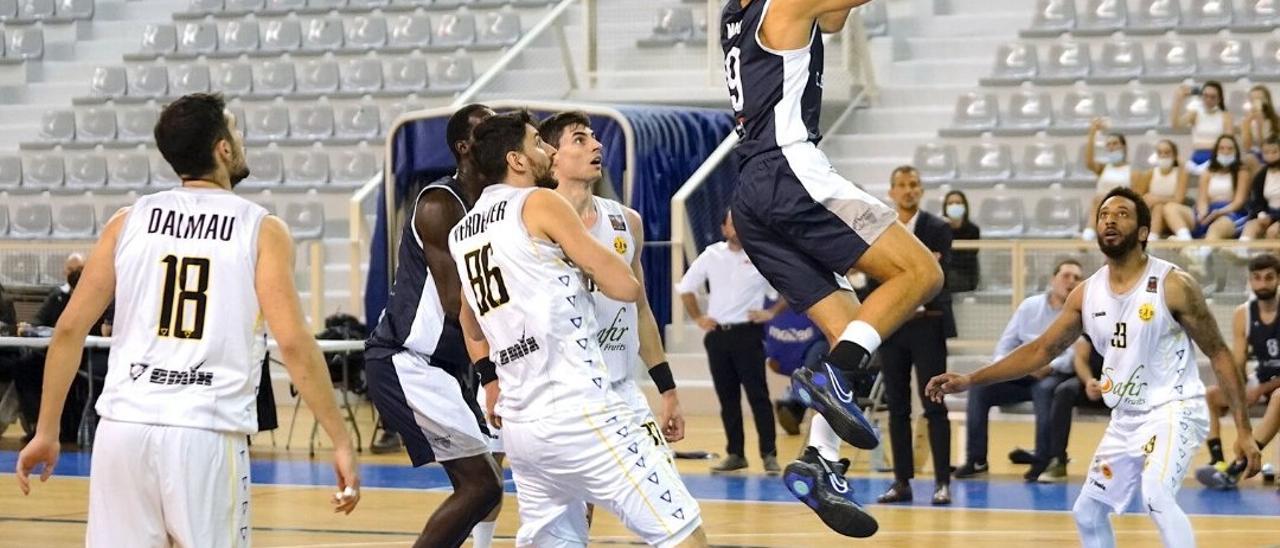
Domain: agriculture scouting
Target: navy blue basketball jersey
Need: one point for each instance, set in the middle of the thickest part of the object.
(776, 95)
(414, 319)
(1264, 343)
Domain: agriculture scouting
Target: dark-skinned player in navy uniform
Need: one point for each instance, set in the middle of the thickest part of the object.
(805, 228)
(419, 374)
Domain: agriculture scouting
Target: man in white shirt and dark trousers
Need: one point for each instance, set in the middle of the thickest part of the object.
(734, 324)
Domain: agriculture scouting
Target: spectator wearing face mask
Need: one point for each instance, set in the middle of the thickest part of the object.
(1264, 195)
(962, 272)
(1206, 117)
(1259, 125)
(1112, 168)
(1220, 211)
(1166, 183)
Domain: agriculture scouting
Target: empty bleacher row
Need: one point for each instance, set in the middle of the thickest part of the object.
(240, 8)
(678, 24)
(21, 25)
(1102, 17)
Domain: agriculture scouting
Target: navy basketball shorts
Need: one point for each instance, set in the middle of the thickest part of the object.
(436, 416)
(802, 224)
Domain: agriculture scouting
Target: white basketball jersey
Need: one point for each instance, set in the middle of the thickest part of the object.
(186, 347)
(618, 337)
(1147, 358)
(534, 310)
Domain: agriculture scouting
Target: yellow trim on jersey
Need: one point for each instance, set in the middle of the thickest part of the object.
(626, 471)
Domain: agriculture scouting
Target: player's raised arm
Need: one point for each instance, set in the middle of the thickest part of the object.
(1061, 334)
(96, 288)
(1186, 302)
(548, 213)
(278, 299)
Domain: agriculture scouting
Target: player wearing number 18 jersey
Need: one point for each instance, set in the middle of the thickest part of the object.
(190, 269)
(805, 227)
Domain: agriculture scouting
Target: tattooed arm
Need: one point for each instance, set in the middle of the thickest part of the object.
(1183, 297)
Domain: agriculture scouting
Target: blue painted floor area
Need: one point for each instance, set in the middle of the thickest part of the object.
(995, 494)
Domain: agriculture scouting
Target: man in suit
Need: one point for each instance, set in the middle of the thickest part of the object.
(921, 341)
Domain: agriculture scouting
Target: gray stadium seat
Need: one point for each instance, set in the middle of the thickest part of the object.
(936, 162)
(1172, 60)
(107, 211)
(1043, 162)
(267, 122)
(197, 38)
(280, 35)
(138, 124)
(187, 79)
(238, 36)
(1066, 62)
(1052, 17)
(312, 121)
(305, 220)
(74, 221)
(1016, 62)
(22, 268)
(1266, 62)
(408, 31)
(307, 168)
(974, 114)
(233, 78)
(10, 171)
(204, 6)
(361, 75)
(1027, 113)
(85, 170)
(1227, 59)
(95, 125)
(405, 74)
(42, 171)
(365, 32)
(8, 10)
(354, 167)
(239, 7)
(988, 162)
(675, 24)
(499, 28)
(1118, 61)
(455, 30)
(1143, 156)
(1136, 110)
(4, 224)
(1056, 217)
(1206, 16)
(266, 168)
(108, 82)
(453, 73)
(284, 6)
(273, 78)
(162, 174)
(357, 121)
(35, 10)
(1101, 17)
(1079, 173)
(148, 81)
(159, 39)
(128, 170)
(1000, 217)
(318, 77)
(366, 5)
(322, 34)
(393, 111)
(1257, 16)
(1079, 107)
(325, 5)
(1153, 16)
(58, 126)
(24, 43)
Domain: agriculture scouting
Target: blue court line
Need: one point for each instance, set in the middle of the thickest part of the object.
(990, 494)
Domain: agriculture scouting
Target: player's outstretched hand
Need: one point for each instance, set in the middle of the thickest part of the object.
(1247, 448)
(41, 450)
(344, 465)
(672, 417)
(492, 392)
(946, 383)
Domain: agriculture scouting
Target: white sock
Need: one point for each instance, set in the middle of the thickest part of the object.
(482, 534)
(862, 334)
(1093, 521)
(822, 437)
(1182, 234)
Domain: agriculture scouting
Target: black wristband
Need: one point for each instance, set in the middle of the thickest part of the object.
(661, 375)
(488, 372)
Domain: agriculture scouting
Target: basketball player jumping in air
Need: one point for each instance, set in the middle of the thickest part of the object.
(1142, 313)
(805, 227)
(522, 253)
(419, 373)
(190, 269)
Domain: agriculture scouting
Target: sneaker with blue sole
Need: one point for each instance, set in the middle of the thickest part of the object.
(823, 389)
(1216, 478)
(820, 484)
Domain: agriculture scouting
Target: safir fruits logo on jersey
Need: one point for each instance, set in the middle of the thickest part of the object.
(1131, 391)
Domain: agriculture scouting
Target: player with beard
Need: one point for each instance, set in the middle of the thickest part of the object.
(1255, 331)
(1142, 313)
(170, 459)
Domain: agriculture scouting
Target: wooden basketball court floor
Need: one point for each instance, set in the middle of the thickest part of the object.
(290, 500)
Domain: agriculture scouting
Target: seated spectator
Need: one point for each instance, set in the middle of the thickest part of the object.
(1112, 168)
(1081, 390)
(1262, 123)
(962, 272)
(791, 341)
(1166, 183)
(1032, 318)
(1220, 208)
(1206, 117)
(1264, 195)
